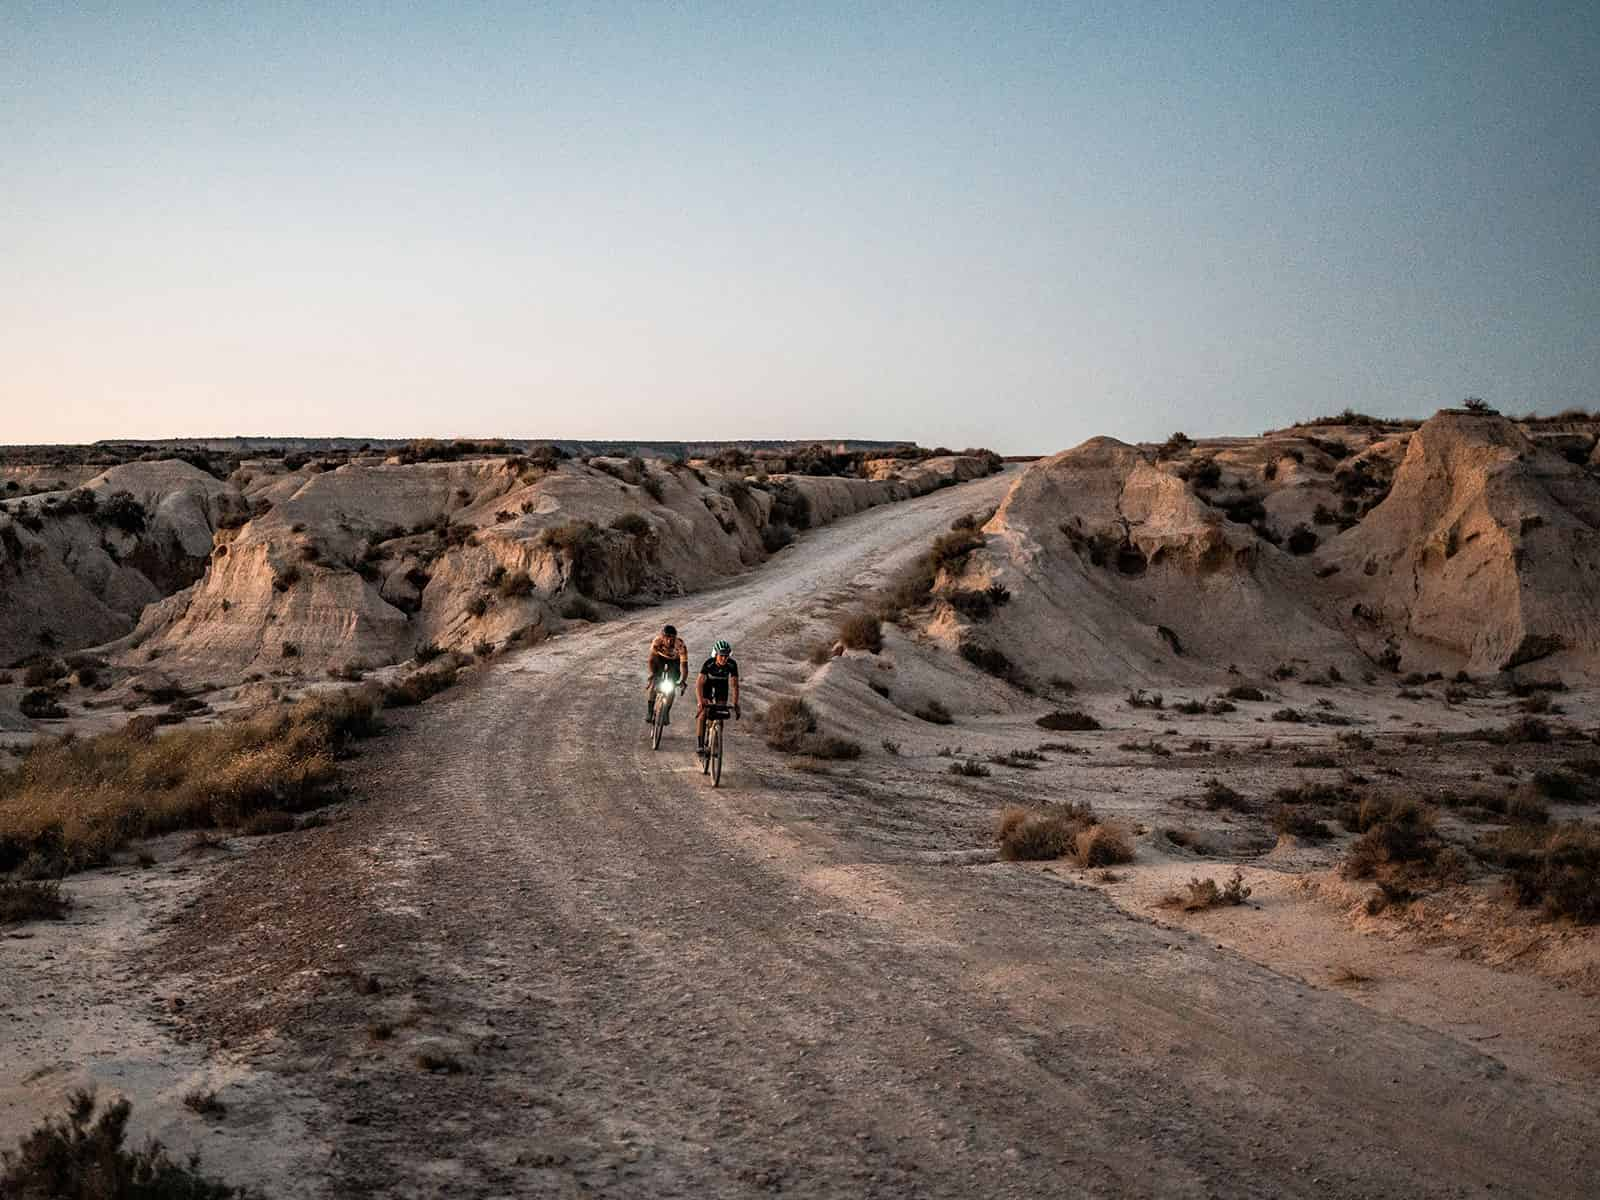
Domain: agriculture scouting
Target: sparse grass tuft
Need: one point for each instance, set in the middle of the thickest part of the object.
(205, 1103)
(1244, 691)
(969, 767)
(439, 1061)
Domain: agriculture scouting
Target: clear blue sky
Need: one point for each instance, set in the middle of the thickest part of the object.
(1019, 225)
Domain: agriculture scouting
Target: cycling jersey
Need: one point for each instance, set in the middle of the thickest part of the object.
(661, 646)
(717, 678)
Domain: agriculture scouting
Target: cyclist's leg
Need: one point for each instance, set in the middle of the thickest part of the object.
(650, 689)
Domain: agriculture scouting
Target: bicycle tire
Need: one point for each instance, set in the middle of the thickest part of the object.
(655, 729)
(716, 757)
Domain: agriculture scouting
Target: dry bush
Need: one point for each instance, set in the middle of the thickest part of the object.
(580, 608)
(1040, 834)
(1244, 691)
(84, 798)
(440, 1061)
(1101, 846)
(32, 900)
(515, 584)
(418, 686)
(971, 768)
(1556, 867)
(1139, 698)
(1300, 822)
(934, 713)
(1396, 833)
(40, 705)
(268, 821)
(83, 1158)
(1067, 720)
(861, 631)
(1200, 894)
(1215, 794)
(788, 720)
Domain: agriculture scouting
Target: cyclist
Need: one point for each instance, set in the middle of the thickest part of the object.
(670, 653)
(718, 674)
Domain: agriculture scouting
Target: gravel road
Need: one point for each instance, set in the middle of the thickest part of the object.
(654, 989)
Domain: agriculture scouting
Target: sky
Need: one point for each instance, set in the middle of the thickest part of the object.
(1015, 225)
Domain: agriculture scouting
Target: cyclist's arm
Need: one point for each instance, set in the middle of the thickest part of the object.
(700, 688)
(734, 680)
(683, 656)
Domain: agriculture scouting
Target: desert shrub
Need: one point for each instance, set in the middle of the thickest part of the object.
(32, 900)
(40, 705)
(1215, 794)
(580, 608)
(990, 661)
(1101, 846)
(1067, 720)
(1244, 691)
(86, 797)
(1526, 729)
(861, 631)
(950, 551)
(1200, 894)
(829, 746)
(775, 535)
(43, 673)
(1300, 822)
(972, 603)
(418, 686)
(891, 747)
(969, 767)
(787, 721)
(633, 524)
(1147, 747)
(483, 648)
(122, 511)
(477, 606)
(427, 652)
(1557, 867)
(1302, 539)
(582, 549)
(289, 650)
(516, 584)
(1395, 832)
(1190, 708)
(1039, 834)
(1291, 715)
(1139, 698)
(1205, 474)
(1561, 785)
(83, 1158)
(285, 577)
(934, 713)
(1173, 446)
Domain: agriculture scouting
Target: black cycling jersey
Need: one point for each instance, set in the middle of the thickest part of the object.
(717, 678)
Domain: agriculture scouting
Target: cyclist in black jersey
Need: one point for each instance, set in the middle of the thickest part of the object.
(718, 685)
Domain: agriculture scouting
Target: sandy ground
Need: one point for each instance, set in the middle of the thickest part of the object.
(539, 959)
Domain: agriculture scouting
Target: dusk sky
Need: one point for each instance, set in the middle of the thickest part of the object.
(1015, 225)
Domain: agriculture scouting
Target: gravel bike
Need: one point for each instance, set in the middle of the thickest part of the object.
(711, 765)
(667, 689)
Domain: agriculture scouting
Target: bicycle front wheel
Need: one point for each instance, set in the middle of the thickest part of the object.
(656, 727)
(716, 755)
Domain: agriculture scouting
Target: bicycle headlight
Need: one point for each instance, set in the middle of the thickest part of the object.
(666, 685)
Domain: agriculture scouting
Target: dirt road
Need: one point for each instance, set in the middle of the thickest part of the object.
(796, 984)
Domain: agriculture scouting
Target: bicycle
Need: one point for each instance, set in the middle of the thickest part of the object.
(667, 689)
(716, 714)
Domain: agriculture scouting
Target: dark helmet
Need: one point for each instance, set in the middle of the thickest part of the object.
(669, 630)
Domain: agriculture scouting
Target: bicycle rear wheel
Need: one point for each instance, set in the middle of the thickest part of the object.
(716, 755)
